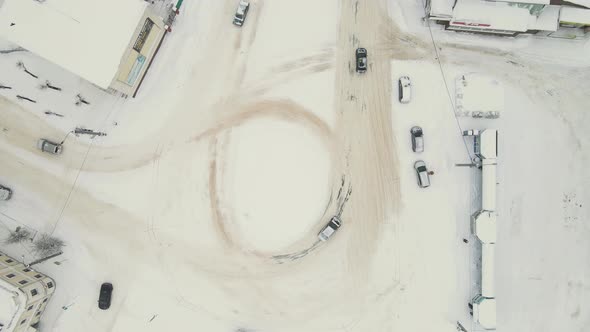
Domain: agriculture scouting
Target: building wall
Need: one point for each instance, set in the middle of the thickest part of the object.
(139, 54)
(37, 287)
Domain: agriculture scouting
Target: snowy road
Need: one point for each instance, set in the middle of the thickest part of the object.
(137, 238)
(203, 203)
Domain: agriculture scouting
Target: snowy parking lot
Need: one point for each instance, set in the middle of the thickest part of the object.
(203, 201)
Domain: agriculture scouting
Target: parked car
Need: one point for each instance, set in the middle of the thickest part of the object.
(330, 229)
(417, 139)
(104, 299)
(5, 193)
(49, 146)
(405, 89)
(361, 60)
(241, 12)
(422, 172)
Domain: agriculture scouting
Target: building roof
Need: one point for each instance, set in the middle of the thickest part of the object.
(86, 37)
(583, 3)
(490, 15)
(548, 20)
(486, 313)
(574, 15)
(12, 305)
(441, 8)
(488, 271)
(488, 139)
(538, 2)
(485, 226)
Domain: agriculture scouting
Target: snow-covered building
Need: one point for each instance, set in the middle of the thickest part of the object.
(506, 17)
(24, 294)
(575, 17)
(498, 17)
(109, 43)
(483, 225)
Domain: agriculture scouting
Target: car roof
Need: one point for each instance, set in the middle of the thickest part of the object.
(424, 178)
(336, 220)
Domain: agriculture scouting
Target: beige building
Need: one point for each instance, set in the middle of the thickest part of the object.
(109, 43)
(24, 294)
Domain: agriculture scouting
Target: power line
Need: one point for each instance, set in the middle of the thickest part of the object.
(440, 66)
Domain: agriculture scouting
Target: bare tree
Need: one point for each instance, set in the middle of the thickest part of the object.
(19, 235)
(47, 245)
(81, 100)
(22, 66)
(50, 86)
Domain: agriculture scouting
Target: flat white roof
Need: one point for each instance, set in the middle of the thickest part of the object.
(488, 186)
(12, 302)
(485, 227)
(539, 2)
(548, 20)
(86, 37)
(441, 8)
(585, 3)
(488, 271)
(488, 139)
(575, 15)
(486, 314)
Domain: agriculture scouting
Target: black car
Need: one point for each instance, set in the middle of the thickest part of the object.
(104, 299)
(361, 60)
(241, 12)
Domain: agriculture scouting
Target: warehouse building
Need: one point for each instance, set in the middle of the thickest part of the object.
(24, 294)
(109, 43)
(512, 17)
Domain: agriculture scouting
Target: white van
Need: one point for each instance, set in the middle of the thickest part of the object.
(405, 89)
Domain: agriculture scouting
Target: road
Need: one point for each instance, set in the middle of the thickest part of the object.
(95, 195)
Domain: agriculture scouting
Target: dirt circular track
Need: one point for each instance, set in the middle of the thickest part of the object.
(293, 134)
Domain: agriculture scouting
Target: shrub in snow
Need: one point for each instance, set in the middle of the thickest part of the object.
(18, 236)
(47, 245)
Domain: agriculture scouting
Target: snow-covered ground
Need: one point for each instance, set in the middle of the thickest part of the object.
(202, 203)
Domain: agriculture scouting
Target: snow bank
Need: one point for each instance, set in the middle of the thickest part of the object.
(277, 182)
(478, 93)
(435, 266)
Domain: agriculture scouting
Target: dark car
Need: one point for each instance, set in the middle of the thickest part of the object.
(241, 12)
(330, 228)
(417, 139)
(361, 60)
(104, 299)
(49, 146)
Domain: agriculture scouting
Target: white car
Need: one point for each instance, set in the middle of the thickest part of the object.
(241, 13)
(330, 229)
(49, 146)
(5, 193)
(405, 89)
(422, 172)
